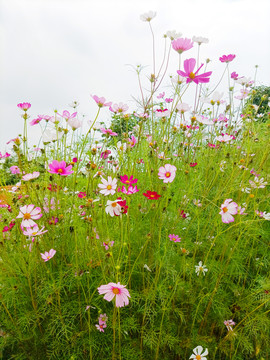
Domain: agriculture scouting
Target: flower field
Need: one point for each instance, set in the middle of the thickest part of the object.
(147, 235)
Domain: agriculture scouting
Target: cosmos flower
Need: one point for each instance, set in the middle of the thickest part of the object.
(29, 213)
(258, 183)
(48, 255)
(32, 176)
(228, 208)
(113, 208)
(118, 291)
(198, 355)
(24, 106)
(174, 238)
(119, 108)
(15, 170)
(200, 40)
(33, 231)
(189, 65)
(60, 168)
(128, 180)
(167, 173)
(151, 195)
(227, 58)
(108, 187)
(182, 44)
(108, 132)
(131, 190)
(101, 326)
(148, 16)
(173, 34)
(229, 324)
(200, 268)
(101, 101)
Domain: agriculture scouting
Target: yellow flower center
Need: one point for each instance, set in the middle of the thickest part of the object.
(27, 216)
(114, 204)
(60, 171)
(225, 209)
(127, 182)
(192, 75)
(198, 357)
(168, 174)
(109, 187)
(34, 233)
(116, 291)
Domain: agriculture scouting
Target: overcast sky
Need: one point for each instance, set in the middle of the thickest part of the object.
(57, 51)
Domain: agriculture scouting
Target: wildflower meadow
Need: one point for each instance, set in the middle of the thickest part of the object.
(145, 236)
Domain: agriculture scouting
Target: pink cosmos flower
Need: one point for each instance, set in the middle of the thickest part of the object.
(182, 44)
(234, 75)
(29, 213)
(174, 238)
(108, 187)
(32, 176)
(132, 141)
(227, 58)
(167, 173)
(105, 154)
(24, 106)
(119, 108)
(16, 141)
(82, 194)
(101, 326)
(101, 101)
(229, 324)
(60, 168)
(126, 180)
(161, 95)
(108, 132)
(225, 138)
(74, 123)
(107, 244)
(67, 116)
(103, 318)
(131, 190)
(15, 170)
(228, 208)
(33, 231)
(118, 291)
(48, 255)
(189, 65)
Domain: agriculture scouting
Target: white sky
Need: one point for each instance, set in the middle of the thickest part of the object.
(57, 51)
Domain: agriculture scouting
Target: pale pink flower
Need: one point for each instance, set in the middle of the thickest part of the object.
(118, 291)
(227, 58)
(33, 231)
(67, 116)
(228, 208)
(225, 138)
(229, 324)
(74, 123)
(103, 318)
(48, 255)
(198, 355)
(101, 101)
(132, 141)
(29, 213)
(30, 176)
(258, 183)
(24, 106)
(243, 95)
(189, 65)
(113, 208)
(108, 244)
(167, 173)
(131, 190)
(15, 170)
(161, 95)
(182, 44)
(119, 108)
(183, 107)
(108, 187)
(60, 168)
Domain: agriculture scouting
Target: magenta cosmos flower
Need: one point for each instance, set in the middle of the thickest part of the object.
(24, 106)
(228, 209)
(128, 180)
(48, 255)
(227, 58)
(189, 65)
(101, 101)
(182, 44)
(174, 238)
(108, 132)
(29, 213)
(60, 168)
(118, 291)
(167, 173)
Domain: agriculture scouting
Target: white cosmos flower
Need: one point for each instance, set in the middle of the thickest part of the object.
(200, 40)
(113, 208)
(183, 107)
(51, 135)
(198, 355)
(200, 268)
(148, 16)
(108, 187)
(173, 34)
